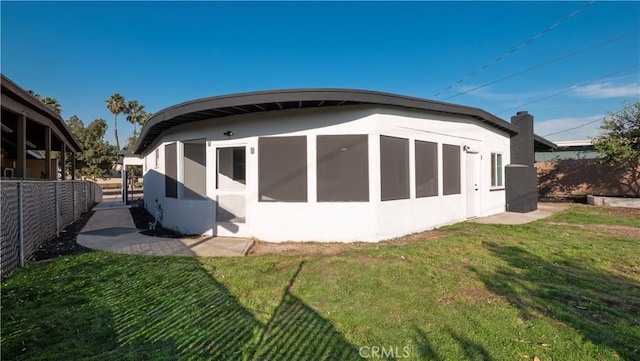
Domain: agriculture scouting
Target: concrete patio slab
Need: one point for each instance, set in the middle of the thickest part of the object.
(111, 229)
(544, 210)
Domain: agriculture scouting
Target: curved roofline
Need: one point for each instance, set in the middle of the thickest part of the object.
(273, 100)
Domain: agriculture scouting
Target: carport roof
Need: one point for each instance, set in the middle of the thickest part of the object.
(23, 98)
(244, 103)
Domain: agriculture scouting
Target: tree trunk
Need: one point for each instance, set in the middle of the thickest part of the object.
(115, 130)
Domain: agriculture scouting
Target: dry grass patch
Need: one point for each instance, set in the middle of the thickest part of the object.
(335, 248)
(612, 230)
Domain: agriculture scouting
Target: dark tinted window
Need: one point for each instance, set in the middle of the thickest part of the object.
(343, 168)
(426, 169)
(450, 169)
(170, 171)
(394, 168)
(282, 169)
(195, 170)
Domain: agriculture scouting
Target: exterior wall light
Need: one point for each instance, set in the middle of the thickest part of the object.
(228, 133)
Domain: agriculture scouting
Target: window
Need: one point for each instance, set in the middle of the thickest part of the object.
(426, 169)
(239, 170)
(195, 169)
(496, 170)
(170, 171)
(231, 168)
(282, 169)
(394, 168)
(450, 169)
(343, 168)
(157, 156)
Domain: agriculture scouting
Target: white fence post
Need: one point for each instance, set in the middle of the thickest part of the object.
(20, 224)
(57, 193)
(73, 197)
(86, 196)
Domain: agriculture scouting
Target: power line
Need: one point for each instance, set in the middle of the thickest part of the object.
(512, 51)
(591, 122)
(569, 89)
(616, 38)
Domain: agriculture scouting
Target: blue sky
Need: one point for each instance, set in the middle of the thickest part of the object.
(164, 53)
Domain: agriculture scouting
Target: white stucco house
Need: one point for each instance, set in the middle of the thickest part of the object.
(332, 165)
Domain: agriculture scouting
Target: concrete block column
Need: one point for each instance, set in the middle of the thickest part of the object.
(520, 176)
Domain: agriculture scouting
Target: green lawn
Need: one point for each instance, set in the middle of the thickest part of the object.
(564, 288)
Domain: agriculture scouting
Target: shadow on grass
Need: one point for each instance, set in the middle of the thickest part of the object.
(604, 308)
(469, 349)
(114, 307)
(297, 332)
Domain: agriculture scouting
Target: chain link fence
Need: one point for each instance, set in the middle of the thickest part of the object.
(33, 212)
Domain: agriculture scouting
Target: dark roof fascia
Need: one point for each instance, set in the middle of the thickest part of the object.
(30, 101)
(543, 144)
(311, 95)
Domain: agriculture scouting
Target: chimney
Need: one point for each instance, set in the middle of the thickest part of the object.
(522, 150)
(520, 175)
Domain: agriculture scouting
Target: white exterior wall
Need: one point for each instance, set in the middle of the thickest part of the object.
(419, 214)
(328, 221)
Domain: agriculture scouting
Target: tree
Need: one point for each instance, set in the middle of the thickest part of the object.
(143, 118)
(34, 94)
(98, 156)
(134, 111)
(51, 103)
(116, 105)
(619, 142)
(131, 141)
(48, 101)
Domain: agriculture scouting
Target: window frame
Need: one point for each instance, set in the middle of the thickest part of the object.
(497, 170)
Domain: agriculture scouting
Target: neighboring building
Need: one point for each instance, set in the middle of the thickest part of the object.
(34, 212)
(28, 125)
(568, 149)
(333, 165)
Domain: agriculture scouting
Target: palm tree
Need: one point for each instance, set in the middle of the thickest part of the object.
(116, 105)
(51, 103)
(34, 94)
(142, 119)
(134, 111)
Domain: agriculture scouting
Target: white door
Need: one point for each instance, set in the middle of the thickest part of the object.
(473, 184)
(230, 191)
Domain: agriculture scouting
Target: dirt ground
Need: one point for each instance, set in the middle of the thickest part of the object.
(65, 244)
(617, 211)
(142, 218)
(333, 248)
(613, 230)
